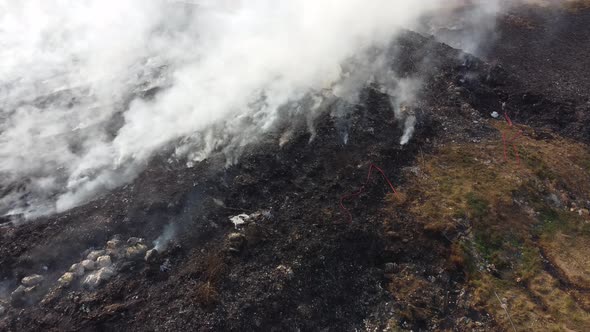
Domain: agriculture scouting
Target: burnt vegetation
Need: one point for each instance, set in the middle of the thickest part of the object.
(471, 242)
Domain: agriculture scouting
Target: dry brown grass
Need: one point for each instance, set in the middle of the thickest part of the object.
(472, 182)
(207, 294)
(213, 267)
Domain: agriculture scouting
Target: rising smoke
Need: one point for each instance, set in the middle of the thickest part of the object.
(91, 89)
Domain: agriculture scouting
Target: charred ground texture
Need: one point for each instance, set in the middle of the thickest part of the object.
(404, 262)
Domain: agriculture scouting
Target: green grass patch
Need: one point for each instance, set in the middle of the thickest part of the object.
(478, 207)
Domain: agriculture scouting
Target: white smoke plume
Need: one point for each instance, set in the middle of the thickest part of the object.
(91, 89)
(169, 233)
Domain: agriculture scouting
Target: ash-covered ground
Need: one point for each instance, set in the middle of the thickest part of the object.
(265, 245)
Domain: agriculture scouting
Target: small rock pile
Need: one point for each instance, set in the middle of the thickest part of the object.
(97, 267)
(100, 265)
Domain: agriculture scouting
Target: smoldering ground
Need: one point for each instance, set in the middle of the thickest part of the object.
(91, 90)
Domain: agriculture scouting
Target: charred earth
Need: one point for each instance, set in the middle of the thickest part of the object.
(480, 236)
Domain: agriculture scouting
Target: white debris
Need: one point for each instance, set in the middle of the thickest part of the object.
(495, 115)
(165, 266)
(32, 280)
(93, 255)
(88, 265)
(103, 261)
(240, 219)
(66, 279)
(77, 269)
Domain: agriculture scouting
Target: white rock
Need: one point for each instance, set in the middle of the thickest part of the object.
(32, 280)
(91, 281)
(105, 273)
(136, 251)
(93, 255)
(104, 261)
(495, 114)
(2, 310)
(66, 279)
(88, 265)
(77, 269)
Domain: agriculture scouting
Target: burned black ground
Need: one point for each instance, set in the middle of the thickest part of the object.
(302, 266)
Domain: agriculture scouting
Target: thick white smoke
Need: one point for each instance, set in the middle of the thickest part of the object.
(78, 112)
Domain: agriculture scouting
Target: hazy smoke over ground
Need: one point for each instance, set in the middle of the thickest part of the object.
(91, 89)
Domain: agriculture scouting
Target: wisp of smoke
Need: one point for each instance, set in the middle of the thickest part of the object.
(169, 233)
(91, 90)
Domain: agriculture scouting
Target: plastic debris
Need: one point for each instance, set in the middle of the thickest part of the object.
(240, 219)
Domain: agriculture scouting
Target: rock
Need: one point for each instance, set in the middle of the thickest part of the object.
(93, 255)
(32, 280)
(17, 294)
(91, 281)
(23, 294)
(583, 212)
(77, 269)
(151, 255)
(116, 253)
(136, 251)
(66, 279)
(2, 310)
(495, 115)
(88, 265)
(114, 244)
(134, 240)
(105, 273)
(236, 242)
(103, 261)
